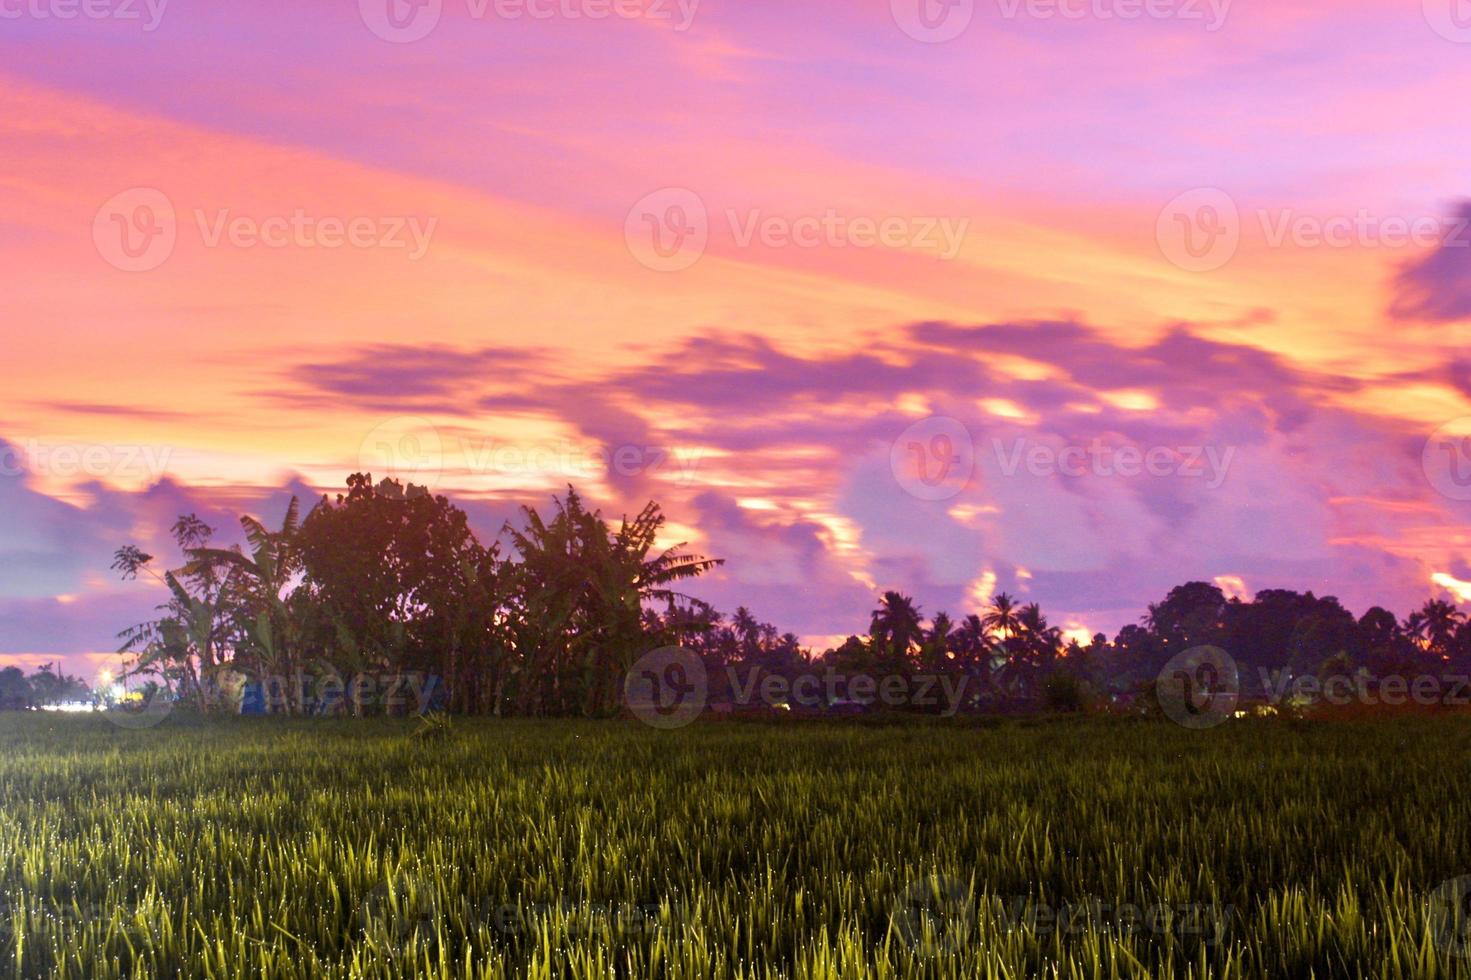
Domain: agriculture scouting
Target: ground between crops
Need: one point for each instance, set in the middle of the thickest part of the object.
(270, 848)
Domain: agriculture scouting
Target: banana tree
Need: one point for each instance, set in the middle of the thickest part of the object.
(270, 631)
(189, 643)
(581, 590)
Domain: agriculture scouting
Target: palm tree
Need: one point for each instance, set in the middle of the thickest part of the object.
(1039, 640)
(970, 641)
(1001, 616)
(895, 626)
(748, 632)
(938, 641)
(1435, 623)
(1032, 648)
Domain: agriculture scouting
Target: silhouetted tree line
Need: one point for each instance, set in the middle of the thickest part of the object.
(1020, 662)
(391, 581)
(48, 685)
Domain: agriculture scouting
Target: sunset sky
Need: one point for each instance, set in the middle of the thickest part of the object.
(765, 258)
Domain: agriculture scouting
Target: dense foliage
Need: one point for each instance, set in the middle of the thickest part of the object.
(389, 582)
(47, 685)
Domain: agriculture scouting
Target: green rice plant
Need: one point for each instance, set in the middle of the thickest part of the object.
(933, 849)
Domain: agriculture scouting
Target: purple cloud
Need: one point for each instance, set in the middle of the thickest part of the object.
(1437, 288)
(1262, 473)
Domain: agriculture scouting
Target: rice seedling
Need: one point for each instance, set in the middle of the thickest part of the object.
(1088, 849)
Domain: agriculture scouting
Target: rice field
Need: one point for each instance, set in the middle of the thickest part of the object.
(1095, 848)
